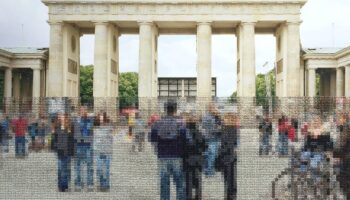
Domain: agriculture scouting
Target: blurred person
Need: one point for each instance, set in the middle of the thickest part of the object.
(265, 130)
(211, 123)
(342, 153)
(4, 134)
(64, 146)
(168, 136)
(20, 127)
(227, 159)
(193, 158)
(316, 157)
(139, 134)
(43, 130)
(33, 132)
(153, 118)
(103, 149)
(131, 123)
(283, 136)
(83, 147)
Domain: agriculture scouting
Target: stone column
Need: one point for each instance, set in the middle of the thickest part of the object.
(36, 92)
(100, 67)
(16, 85)
(8, 89)
(333, 82)
(312, 83)
(147, 66)
(246, 68)
(8, 83)
(55, 70)
(293, 56)
(204, 33)
(347, 81)
(36, 82)
(246, 57)
(340, 82)
(148, 78)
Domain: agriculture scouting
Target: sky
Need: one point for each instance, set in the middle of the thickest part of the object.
(23, 23)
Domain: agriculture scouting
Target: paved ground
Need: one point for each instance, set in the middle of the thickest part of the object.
(135, 176)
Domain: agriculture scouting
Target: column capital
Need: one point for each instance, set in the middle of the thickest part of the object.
(312, 68)
(102, 22)
(208, 23)
(150, 23)
(293, 22)
(55, 22)
(248, 22)
(36, 68)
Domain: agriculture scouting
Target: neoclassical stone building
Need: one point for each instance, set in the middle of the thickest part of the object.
(24, 71)
(56, 74)
(333, 67)
(108, 19)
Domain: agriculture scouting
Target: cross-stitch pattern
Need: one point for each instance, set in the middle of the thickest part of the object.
(220, 148)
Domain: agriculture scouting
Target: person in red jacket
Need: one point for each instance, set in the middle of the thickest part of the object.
(20, 126)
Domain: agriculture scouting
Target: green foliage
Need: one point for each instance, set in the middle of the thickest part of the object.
(318, 78)
(233, 97)
(261, 91)
(86, 84)
(128, 89)
(128, 86)
(261, 94)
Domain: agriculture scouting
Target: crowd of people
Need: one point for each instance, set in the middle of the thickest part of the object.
(318, 146)
(188, 145)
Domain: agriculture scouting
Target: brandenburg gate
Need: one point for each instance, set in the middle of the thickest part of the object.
(108, 19)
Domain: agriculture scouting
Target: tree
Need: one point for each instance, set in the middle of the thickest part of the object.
(261, 91)
(128, 89)
(261, 94)
(86, 84)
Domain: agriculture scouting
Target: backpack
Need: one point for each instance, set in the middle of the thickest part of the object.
(168, 128)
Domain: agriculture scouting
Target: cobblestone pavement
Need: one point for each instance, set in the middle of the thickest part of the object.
(135, 175)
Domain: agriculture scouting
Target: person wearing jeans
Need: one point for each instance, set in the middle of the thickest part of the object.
(64, 146)
(20, 127)
(283, 136)
(168, 135)
(103, 148)
(83, 140)
(4, 135)
(211, 123)
(171, 166)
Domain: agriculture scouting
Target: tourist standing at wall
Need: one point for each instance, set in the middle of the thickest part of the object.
(227, 159)
(103, 149)
(20, 126)
(64, 146)
(83, 140)
(168, 135)
(211, 123)
(193, 158)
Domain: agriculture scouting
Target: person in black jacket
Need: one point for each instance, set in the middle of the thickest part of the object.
(265, 133)
(64, 146)
(227, 159)
(193, 158)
